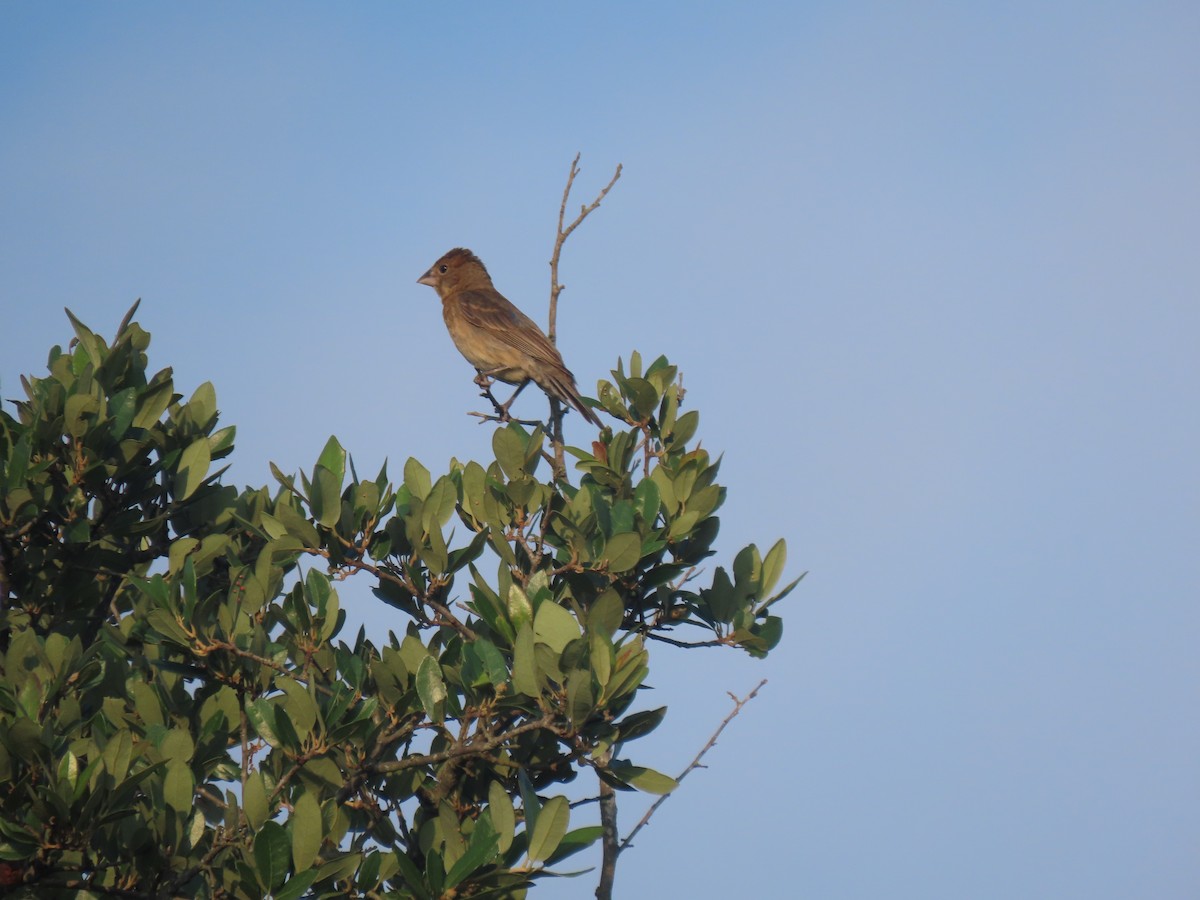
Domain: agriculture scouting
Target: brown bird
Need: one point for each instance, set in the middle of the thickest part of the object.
(498, 339)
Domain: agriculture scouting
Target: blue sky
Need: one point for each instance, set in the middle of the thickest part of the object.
(930, 271)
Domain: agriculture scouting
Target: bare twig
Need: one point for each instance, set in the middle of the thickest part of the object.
(695, 763)
(557, 411)
(686, 644)
(488, 417)
(564, 233)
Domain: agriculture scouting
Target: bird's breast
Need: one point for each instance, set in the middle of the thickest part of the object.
(484, 347)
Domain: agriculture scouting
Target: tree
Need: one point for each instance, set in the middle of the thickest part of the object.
(180, 718)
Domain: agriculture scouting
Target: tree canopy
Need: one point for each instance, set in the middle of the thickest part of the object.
(182, 715)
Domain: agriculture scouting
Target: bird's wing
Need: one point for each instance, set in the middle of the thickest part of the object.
(491, 312)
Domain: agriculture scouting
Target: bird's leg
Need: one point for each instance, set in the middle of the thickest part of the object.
(485, 380)
(503, 407)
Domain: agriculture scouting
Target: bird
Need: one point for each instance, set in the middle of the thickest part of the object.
(499, 340)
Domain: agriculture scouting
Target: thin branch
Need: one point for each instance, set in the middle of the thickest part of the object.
(445, 617)
(564, 233)
(469, 749)
(689, 645)
(557, 411)
(695, 763)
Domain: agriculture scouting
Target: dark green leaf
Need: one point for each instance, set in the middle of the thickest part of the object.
(642, 723)
(431, 688)
(272, 853)
(481, 851)
(296, 886)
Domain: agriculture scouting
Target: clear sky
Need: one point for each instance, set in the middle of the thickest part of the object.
(931, 271)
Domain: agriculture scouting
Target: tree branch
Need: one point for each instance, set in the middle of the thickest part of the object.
(557, 411)
(468, 749)
(564, 233)
(695, 763)
(609, 839)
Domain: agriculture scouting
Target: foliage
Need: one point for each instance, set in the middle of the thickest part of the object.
(179, 718)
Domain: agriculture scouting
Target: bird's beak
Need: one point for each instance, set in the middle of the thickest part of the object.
(428, 279)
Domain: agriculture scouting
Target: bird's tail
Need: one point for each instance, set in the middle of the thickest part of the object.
(562, 386)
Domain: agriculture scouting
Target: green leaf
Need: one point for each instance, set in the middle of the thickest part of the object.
(416, 479)
(643, 398)
(504, 816)
(623, 551)
(178, 786)
(155, 399)
(338, 867)
(411, 875)
(606, 614)
(168, 626)
(296, 886)
(261, 714)
(772, 567)
(272, 853)
(509, 447)
(549, 829)
(87, 339)
(481, 851)
(576, 840)
(326, 496)
(685, 428)
(643, 779)
(307, 831)
(431, 688)
(300, 706)
(202, 406)
(76, 411)
(177, 744)
(520, 610)
(333, 458)
(555, 627)
(601, 656)
(439, 505)
(254, 800)
(638, 724)
(531, 806)
(193, 468)
(747, 571)
(492, 660)
(783, 593)
(117, 752)
(581, 700)
(646, 499)
(368, 872)
(525, 679)
(722, 602)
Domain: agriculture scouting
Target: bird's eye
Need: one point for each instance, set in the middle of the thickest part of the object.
(443, 269)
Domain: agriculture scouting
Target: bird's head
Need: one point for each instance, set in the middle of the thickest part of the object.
(458, 270)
